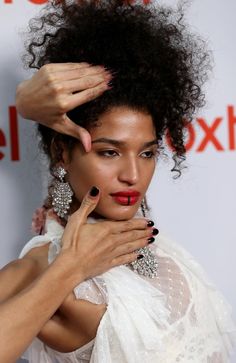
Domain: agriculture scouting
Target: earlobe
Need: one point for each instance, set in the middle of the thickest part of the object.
(65, 157)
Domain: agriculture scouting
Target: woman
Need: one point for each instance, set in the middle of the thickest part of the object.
(161, 307)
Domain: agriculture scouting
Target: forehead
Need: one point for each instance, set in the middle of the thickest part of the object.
(122, 122)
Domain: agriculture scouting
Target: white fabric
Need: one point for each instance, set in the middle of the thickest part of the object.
(177, 317)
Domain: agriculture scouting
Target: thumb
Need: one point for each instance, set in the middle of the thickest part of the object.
(88, 204)
(70, 128)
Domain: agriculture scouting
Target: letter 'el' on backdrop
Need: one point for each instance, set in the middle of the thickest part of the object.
(198, 210)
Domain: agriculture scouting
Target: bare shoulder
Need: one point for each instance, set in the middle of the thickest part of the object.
(17, 275)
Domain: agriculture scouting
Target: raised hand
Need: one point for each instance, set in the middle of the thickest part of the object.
(58, 88)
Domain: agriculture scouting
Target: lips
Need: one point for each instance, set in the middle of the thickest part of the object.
(126, 197)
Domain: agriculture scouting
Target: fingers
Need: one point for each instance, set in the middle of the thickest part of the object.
(63, 67)
(77, 73)
(127, 253)
(130, 236)
(88, 204)
(125, 226)
(87, 82)
(130, 247)
(125, 259)
(87, 95)
(64, 73)
(73, 87)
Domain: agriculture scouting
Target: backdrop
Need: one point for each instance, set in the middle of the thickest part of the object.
(197, 210)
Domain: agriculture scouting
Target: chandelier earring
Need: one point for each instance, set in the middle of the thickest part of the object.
(61, 192)
(146, 264)
(144, 207)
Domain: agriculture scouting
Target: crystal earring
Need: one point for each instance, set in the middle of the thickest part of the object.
(144, 207)
(61, 192)
(148, 264)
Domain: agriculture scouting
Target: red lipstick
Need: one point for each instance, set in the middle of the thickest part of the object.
(126, 197)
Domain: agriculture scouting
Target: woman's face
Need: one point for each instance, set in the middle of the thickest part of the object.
(121, 162)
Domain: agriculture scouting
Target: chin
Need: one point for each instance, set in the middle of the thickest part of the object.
(118, 213)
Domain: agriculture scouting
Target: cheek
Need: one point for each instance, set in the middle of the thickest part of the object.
(82, 176)
(149, 172)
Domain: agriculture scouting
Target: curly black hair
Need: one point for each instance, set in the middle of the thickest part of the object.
(159, 65)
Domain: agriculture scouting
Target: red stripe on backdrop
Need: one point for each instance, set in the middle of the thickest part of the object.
(14, 134)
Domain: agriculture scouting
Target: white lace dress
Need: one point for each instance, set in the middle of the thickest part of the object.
(179, 316)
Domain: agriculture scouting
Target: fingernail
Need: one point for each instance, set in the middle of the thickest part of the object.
(155, 231)
(139, 257)
(94, 192)
(150, 223)
(151, 240)
(110, 84)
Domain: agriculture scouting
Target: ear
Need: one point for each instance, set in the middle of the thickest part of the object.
(66, 157)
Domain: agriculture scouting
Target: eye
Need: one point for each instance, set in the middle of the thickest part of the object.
(149, 154)
(108, 153)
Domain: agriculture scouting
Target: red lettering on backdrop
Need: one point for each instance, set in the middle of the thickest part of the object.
(209, 134)
(38, 2)
(191, 137)
(232, 128)
(13, 136)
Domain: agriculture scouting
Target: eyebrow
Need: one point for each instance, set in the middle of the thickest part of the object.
(121, 143)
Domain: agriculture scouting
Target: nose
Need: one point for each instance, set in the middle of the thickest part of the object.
(129, 171)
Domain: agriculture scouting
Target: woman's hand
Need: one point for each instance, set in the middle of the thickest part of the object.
(58, 88)
(92, 249)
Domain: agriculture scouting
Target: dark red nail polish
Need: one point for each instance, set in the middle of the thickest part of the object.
(155, 231)
(94, 191)
(140, 257)
(150, 223)
(151, 240)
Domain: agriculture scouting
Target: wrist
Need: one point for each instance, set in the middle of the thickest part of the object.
(67, 270)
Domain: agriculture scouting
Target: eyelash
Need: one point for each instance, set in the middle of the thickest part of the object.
(151, 154)
(105, 153)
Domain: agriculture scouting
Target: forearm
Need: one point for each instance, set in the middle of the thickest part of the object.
(23, 316)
